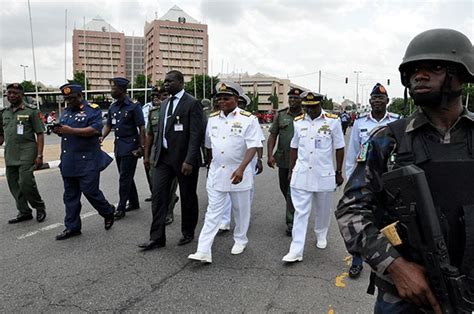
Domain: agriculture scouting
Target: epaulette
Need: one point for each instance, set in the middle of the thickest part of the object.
(245, 113)
(215, 113)
(362, 116)
(300, 117)
(94, 106)
(154, 108)
(394, 115)
(31, 106)
(331, 115)
(284, 109)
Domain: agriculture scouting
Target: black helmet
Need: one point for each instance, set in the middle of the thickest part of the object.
(440, 44)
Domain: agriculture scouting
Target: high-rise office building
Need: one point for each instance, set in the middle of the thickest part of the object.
(134, 56)
(99, 51)
(176, 41)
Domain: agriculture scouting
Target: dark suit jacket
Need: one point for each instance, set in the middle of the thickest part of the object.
(183, 146)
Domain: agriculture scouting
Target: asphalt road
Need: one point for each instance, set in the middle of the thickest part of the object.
(105, 271)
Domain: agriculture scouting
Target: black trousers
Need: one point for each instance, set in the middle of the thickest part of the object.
(127, 189)
(162, 180)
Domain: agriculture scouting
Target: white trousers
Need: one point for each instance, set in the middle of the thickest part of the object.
(303, 202)
(240, 201)
(228, 206)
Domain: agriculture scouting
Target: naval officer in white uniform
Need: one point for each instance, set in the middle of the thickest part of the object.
(314, 178)
(232, 138)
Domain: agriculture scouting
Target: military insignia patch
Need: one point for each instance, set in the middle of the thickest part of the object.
(94, 106)
(66, 91)
(363, 152)
(324, 129)
(215, 113)
(301, 116)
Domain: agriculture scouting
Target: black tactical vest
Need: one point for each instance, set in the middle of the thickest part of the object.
(449, 170)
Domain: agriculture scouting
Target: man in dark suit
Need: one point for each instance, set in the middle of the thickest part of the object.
(177, 155)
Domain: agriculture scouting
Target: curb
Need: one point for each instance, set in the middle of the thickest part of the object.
(47, 165)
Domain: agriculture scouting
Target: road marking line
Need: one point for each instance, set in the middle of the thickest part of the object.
(52, 226)
(340, 280)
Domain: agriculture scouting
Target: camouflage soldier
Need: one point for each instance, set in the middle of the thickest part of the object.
(23, 131)
(436, 64)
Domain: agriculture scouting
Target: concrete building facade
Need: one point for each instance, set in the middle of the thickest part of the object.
(134, 56)
(265, 86)
(176, 41)
(99, 51)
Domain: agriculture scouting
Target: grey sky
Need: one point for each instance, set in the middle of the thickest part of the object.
(292, 39)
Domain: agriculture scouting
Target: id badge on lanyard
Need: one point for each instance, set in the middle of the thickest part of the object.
(178, 127)
(20, 128)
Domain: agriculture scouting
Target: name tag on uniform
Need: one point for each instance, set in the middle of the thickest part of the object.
(19, 129)
(114, 121)
(178, 127)
(317, 143)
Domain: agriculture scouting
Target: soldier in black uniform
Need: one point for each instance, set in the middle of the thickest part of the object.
(437, 137)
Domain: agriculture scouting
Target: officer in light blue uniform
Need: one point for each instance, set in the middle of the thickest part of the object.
(361, 131)
(126, 119)
(82, 160)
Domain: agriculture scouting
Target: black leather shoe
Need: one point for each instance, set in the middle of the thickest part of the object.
(288, 231)
(355, 271)
(129, 208)
(40, 215)
(152, 244)
(148, 199)
(169, 220)
(66, 234)
(20, 218)
(108, 221)
(185, 240)
(119, 214)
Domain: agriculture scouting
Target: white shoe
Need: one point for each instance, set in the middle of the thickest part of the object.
(202, 257)
(292, 257)
(322, 244)
(224, 227)
(237, 248)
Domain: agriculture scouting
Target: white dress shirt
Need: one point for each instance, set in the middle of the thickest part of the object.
(176, 100)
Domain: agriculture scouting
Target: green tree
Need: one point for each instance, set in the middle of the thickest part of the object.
(189, 86)
(28, 86)
(140, 82)
(274, 99)
(253, 106)
(398, 106)
(79, 78)
(468, 89)
(327, 104)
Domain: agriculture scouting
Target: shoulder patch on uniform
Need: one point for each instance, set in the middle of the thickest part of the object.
(94, 106)
(154, 108)
(297, 118)
(364, 148)
(362, 116)
(394, 115)
(284, 109)
(331, 115)
(245, 113)
(31, 106)
(215, 113)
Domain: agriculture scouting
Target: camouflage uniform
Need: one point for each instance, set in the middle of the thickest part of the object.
(358, 211)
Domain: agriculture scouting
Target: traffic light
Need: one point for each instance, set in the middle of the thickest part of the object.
(347, 80)
(388, 81)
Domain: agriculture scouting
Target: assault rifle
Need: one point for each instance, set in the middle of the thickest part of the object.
(418, 231)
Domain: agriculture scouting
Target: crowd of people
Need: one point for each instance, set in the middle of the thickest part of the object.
(172, 131)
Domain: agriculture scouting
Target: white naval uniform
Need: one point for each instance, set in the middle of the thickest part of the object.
(228, 204)
(360, 133)
(313, 177)
(146, 111)
(229, 137)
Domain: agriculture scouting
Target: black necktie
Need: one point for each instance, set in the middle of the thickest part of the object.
(170, 108)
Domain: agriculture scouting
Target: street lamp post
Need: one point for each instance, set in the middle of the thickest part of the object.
(357, 85)
(24, 71)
